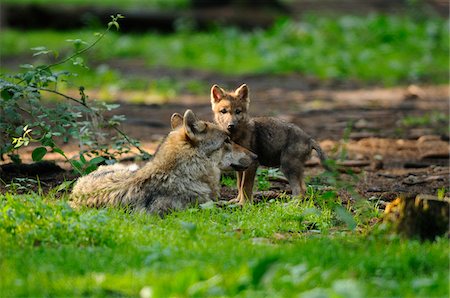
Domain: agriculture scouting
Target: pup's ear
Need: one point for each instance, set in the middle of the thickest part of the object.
(217, 94)
(176, 120)
(242, 92)
(192, 125)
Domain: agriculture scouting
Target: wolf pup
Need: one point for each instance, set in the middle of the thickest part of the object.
(277, 143)
(183, 172)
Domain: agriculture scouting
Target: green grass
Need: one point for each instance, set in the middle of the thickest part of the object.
(273, 249)
(430, 118)
(436, 120)
(377, 49)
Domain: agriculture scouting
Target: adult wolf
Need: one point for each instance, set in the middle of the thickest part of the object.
(276, 142)
(184, 171)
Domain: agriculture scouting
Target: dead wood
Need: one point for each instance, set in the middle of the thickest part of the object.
(424, 216)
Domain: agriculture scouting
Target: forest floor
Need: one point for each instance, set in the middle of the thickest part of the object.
(395, 140)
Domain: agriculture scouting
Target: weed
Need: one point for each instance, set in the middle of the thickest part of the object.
(18, 185)
(441, 192)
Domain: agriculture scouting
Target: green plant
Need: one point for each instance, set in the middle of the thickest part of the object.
(430, 118)
(262, 179)
(228, 181)
(26, 118)
(272, 249)
(441, 193)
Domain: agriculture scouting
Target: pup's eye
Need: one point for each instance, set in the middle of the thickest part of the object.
(223, 111)
(238, 112)
(227, 141)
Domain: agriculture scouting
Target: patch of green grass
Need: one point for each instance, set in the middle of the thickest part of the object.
(278, 249)
(436, 120)
(228, 181)
(375, 49)
(431, 118)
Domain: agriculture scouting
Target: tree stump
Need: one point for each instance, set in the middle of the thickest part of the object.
(424, 216)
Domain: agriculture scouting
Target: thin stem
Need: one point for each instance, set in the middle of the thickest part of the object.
(77, 53)
(80, 51)
(118, 130)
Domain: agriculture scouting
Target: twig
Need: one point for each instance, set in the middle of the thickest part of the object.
(118, 130)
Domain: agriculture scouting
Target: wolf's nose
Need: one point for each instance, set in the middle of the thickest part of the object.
(230, 126)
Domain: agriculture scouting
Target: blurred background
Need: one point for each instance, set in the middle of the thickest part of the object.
(302, 59)
(368, 79)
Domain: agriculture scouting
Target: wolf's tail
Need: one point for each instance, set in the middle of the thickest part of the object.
(323, 157)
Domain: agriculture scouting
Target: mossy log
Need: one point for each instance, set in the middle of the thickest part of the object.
(424, 216)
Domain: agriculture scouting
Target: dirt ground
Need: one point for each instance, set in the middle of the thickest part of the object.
(362, 128)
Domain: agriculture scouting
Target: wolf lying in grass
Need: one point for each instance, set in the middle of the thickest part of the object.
(184, 171)
(277, 143)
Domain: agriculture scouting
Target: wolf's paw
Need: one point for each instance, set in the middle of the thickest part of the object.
(234, 201)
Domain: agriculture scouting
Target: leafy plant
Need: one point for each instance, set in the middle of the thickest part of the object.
(228, 181)
(262, 179)
(26, 118)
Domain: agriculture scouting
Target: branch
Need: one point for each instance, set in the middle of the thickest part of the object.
(118, 130)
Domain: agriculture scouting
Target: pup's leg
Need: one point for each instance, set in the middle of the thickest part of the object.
(246, 192)
(245, 183)
(293, 169)
(239, 178)
(296, 182)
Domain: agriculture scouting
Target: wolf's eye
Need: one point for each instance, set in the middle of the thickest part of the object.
(227, 141)
(238, 112)
(223, 111)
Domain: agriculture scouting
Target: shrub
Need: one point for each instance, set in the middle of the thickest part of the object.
(26, 118)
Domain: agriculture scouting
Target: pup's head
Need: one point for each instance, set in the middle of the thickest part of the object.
(230, 108)
(213, 141)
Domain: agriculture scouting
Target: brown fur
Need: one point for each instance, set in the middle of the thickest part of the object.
(185, 171)
(277, 143)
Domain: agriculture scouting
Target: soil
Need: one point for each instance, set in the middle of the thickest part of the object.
(361, 127)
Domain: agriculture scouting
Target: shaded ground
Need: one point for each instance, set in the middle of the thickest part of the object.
(395, 140)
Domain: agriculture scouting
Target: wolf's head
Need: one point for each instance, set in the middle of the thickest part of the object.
(236, 157)
(213, 141)
(230, 108)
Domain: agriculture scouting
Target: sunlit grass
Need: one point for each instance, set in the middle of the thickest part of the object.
(269, 249)
(376, 49)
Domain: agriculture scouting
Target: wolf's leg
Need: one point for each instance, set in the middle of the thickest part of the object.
(239, 178)
(245, 181)
(295, 179)
(246, 190)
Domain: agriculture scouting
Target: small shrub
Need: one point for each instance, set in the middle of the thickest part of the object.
(26, 118)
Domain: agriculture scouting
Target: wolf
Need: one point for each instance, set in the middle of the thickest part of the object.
(184, 171)
(277, 143)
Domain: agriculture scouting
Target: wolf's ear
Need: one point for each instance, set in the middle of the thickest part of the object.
(176, 120)
(242, 92)
(192, 125)
(217, 94)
